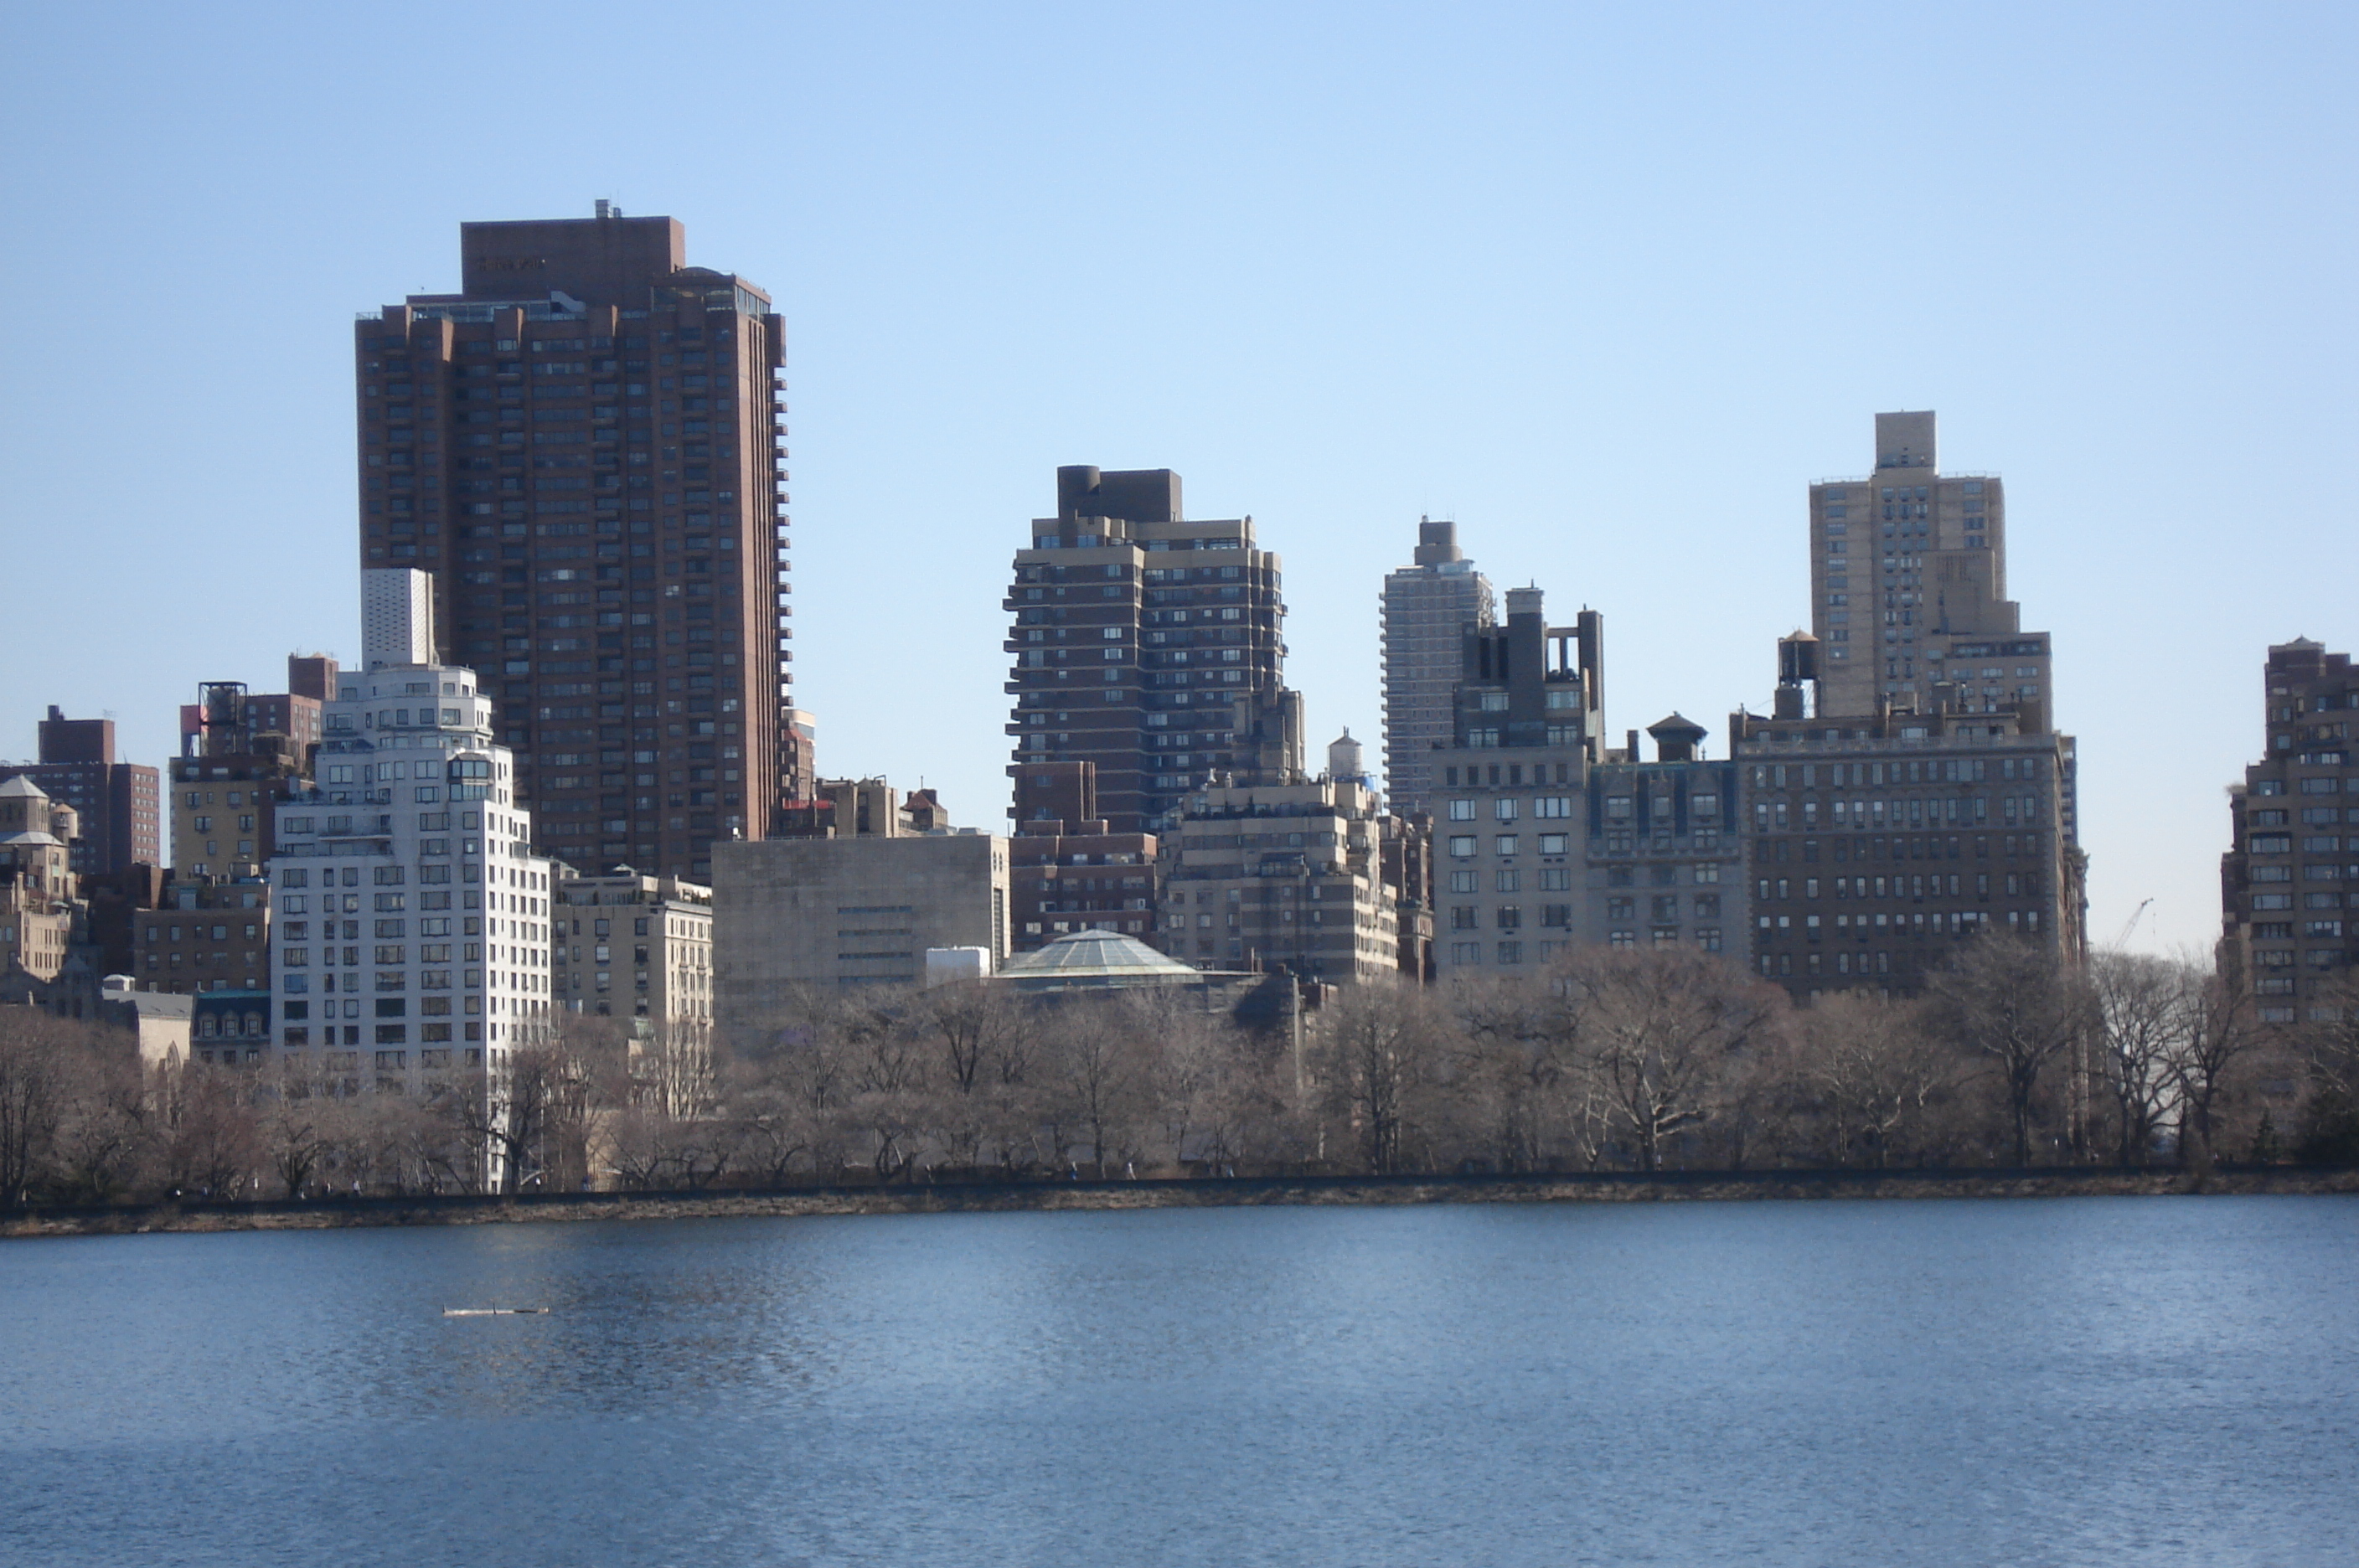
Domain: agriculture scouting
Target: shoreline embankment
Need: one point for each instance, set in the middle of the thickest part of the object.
(191, 1215)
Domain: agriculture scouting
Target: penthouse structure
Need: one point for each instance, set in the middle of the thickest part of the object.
(1428, 608)
(1147, 645)
(226, 714)
(584, 448)
(2289, 884)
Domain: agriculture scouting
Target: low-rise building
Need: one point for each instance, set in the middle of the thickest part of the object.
(631, 945)
(230, 1029)
(209, 934)
(2289, 883)
(851, 911)
(1282, 875)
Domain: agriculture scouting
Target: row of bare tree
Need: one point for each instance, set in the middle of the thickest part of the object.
(1643, 1061)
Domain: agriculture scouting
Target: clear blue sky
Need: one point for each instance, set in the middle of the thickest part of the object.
(1610, 286)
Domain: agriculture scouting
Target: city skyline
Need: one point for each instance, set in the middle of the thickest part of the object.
(1333, 381)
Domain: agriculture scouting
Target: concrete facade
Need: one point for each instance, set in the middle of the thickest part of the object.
(2289, 884)
(851, 911)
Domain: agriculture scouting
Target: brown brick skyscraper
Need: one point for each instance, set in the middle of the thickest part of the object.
(585, 448)
(1148, 646)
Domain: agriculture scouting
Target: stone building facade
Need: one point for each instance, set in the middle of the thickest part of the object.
(2289, 882)
(1288, 875)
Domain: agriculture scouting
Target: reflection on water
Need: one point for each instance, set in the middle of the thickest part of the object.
(2100, 1380)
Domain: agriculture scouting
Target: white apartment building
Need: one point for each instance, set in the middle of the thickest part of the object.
(414, 919)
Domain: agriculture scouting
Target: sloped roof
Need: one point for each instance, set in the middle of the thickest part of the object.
(18, 784)
(1100, 956)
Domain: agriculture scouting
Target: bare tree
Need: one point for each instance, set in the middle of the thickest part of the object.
(1870, 1070)
(1098, 1078)
(1659, 1031)
(34, 1048)
(1383, 1049)
(211, 1140)
(2139, 1003)
(2014, 1004)
(102, 1142)
(2219, 1029)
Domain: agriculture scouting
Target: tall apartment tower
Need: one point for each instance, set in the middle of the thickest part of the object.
(584, 448)
(1909, 588)
(1147, 645)
(2289, 922)
(1428, 608)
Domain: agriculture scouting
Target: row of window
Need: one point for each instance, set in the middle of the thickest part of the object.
(1513, 951)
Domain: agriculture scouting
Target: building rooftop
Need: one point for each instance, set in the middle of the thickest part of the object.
(1095, 958)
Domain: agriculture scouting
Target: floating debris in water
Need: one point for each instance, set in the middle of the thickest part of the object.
(493, 1312)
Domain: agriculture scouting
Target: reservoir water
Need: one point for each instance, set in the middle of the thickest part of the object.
(2150, 1381)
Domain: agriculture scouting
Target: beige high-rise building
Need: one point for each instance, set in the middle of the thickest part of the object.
(1908, 589)
(1908, 790)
